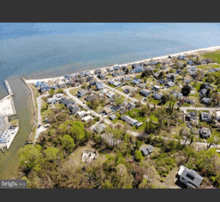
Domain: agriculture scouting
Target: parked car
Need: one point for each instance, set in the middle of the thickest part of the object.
(39, 125)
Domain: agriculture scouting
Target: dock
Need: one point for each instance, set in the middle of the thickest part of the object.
(8, 88)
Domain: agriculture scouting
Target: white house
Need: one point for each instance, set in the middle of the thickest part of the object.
(87, 118)
(81, 113)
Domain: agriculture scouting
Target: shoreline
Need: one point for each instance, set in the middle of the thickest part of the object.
(195, 51)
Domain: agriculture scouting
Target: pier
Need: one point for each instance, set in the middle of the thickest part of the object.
(8, 88)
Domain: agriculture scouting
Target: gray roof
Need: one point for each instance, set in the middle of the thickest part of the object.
(99, 85)
(66, 101)
(205, 132)
(129, 120)
(191, 177)
(147, 150)
(206, 117)
(144, 92)
(112, 117)
(157, 96)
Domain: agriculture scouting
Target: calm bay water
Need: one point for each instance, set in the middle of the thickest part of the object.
(51, 49)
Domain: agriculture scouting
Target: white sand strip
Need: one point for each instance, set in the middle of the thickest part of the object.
(213, 48)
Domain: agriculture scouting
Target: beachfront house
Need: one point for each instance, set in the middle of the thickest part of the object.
(38, 84)
(147, 150)
(145, 92)
(116, 67)
(190, 178)
(181, 57)
(110, 69)
(44, 87)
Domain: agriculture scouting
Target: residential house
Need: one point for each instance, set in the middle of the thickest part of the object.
(171, 77)
(51, 100)
(101, 76)
(156, 75)
(181, 57)
(87, 73)
(204, 132)
(38, 84)
(131, 106)
(147, 150)
(74, 108)
(116, 83)
(98, 71)
(89, 78)
(155, 87)
(127, 78)
(177, 94)
(157, 96)
(81, 93)
(142, 85)
(81, 113)
(145, 92)
(126, 90)
(191, 116)
(129, 120)
(206, 117)
(217, 115)
(82, 74)
(178, 71)
(188, 100)
(99, 128)
(110, 69)
(189, 178)
(99, 85)
(203, 92)
(87, 118)
(90, 97)
(109, 138)
(113, 117)
(161, 81)
(110, 94)
(136, 81)
(190, 62)
(116, 68)
(106, 110)
(66, 101)
(44, 87)
(139, 124)
(169, 84)
(206, 101)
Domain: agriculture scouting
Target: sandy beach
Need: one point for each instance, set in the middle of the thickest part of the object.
(196, 51)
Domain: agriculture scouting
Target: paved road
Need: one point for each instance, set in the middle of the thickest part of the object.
(39, 121)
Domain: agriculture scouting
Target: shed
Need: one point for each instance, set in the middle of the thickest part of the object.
(147, 150)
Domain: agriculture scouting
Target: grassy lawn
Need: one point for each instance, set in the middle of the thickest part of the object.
(197, 87)
(153, 101)
(214, 55)
(138, 96)
(14, 122)
(74, 91)
(207, 67)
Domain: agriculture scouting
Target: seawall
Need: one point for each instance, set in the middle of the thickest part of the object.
(35, 110)
(8, 88)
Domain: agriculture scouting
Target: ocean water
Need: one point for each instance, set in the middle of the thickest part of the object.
(40, 50)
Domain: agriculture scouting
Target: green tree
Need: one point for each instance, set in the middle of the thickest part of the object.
(68, 143)
(119, 100)
(51, 154)
(138, 155)
(30, 156)
(51, 92)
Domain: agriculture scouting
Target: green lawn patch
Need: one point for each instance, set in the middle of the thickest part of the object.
(74, 91)
(213, 55)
